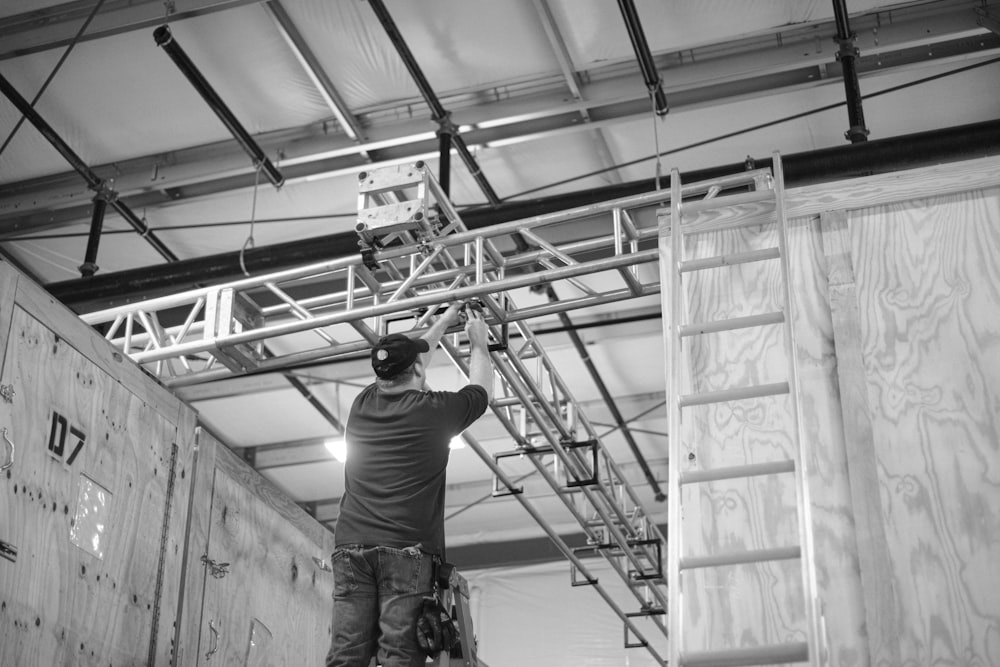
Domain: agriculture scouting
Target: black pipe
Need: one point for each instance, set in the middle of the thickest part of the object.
(438, 112)
(643, 55)
(840, 162)
(609, 400)
(445, 136)
(165, 39)
(89, 266)
(847, 54)
(94, 182)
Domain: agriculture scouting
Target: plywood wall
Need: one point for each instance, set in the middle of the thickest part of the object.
(927, 286)
(92, 509)
(259, 587)
(896, 300)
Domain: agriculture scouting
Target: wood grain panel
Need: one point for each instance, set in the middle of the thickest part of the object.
(929, 302)
(100, 352)
(67, 599)
(8, 287)
(740, 605)
(274, 583)
(879, 611)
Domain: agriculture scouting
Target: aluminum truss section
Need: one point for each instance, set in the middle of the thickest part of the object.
(416, 255)
(214, 332)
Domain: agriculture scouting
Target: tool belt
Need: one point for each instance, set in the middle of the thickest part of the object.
(436, 630)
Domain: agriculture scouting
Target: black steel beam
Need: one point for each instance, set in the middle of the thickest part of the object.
(438, 112)
(94, 182)
(830, 164)
(165, 39)
(847, 55)
(644, 57)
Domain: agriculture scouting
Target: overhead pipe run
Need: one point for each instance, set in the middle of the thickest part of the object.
(165, 39)
(829, 164)
(94, 182)
(642, 54)
(438, 112)
(857, 133)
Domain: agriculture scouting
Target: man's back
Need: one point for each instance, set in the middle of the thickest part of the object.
(398, 446)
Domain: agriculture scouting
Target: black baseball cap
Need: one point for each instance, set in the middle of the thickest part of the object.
(396, 352)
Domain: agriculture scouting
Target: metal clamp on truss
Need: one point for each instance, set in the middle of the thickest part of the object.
(656, 562)
(229, 313)
(644, 613)
(392, 200)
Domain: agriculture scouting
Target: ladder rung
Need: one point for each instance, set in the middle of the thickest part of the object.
(741, 557)
(737, 472)
(763, 319)
(752, 197)
(729, 260)
(754, 655)
(737, 394)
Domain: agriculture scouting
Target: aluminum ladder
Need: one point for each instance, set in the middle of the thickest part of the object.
(754, 212)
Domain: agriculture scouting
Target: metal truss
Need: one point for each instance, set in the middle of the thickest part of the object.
(416, 254)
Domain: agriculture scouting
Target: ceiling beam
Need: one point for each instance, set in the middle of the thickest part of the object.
(311, 65)
(310, 152)
(842, 162)
(55, 26)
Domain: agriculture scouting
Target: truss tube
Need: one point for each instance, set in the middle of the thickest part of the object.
(561, 545)
(620, 538)
(351, 261)
(557, 448)
(564, 391)
(378, 310)
(606, 395)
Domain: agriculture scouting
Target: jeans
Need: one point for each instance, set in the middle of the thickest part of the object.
(378, 593)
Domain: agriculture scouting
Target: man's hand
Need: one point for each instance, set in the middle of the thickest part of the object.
(451, 316)
(476, 329)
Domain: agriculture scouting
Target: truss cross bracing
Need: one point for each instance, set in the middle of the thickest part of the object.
(417, 254)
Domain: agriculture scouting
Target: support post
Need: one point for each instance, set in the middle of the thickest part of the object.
(848, 52)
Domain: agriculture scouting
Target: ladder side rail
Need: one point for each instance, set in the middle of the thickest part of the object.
(801, 477)
(671, 252)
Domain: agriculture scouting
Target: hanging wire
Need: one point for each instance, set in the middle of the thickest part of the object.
(656, 142)
(752, 128)
(253, 216)
(69, 48)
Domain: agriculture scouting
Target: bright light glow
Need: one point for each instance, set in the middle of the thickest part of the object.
(458, 442)
(337, 447)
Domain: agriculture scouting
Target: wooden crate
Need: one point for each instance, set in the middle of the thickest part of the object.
(259, 587)
(94, 503)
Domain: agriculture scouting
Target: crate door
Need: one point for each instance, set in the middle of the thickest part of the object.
(268, 588)
(82, 509)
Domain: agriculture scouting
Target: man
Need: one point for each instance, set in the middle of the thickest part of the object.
(390, 533)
